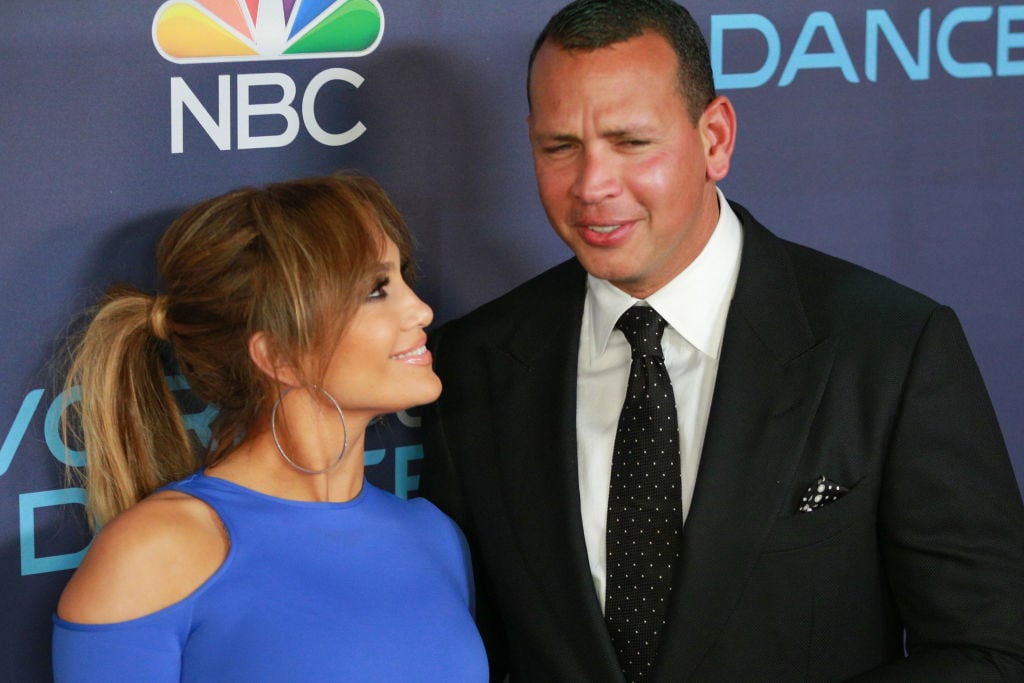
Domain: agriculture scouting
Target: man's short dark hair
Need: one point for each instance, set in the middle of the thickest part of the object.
(593, 24)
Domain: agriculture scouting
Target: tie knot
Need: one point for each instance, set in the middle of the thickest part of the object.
(643, 327)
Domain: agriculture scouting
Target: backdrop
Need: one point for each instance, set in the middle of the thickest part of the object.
(887, 133)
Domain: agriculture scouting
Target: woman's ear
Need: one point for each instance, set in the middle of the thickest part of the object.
(263, 356)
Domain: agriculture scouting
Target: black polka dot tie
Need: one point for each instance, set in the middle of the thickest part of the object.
(645, 516)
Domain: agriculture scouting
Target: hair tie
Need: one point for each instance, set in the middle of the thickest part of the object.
(158, 317)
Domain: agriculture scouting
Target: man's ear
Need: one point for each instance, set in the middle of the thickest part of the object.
(264, 357)
(718, 131)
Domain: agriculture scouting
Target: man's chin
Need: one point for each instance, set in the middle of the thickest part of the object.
(621, 275)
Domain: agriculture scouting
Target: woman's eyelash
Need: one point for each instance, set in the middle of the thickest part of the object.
(379, 291)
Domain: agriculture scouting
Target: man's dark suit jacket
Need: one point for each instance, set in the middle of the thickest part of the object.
(826, 369)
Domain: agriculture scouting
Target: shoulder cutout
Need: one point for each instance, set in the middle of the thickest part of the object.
(147, 558)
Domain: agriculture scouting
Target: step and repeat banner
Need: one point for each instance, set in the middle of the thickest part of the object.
(888, 133)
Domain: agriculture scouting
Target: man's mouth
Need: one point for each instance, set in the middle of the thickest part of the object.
(605, 234)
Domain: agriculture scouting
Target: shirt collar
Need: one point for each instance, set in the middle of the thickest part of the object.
(695, 302)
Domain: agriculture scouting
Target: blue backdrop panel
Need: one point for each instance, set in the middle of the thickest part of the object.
(887, 133)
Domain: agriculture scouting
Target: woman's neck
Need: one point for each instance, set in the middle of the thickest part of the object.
(258, 464)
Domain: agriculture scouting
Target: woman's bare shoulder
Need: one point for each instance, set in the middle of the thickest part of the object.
(149, 557)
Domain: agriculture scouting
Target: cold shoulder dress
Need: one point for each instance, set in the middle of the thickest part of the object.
(374, 589)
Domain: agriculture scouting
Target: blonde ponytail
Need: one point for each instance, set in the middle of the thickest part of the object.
(131, 426)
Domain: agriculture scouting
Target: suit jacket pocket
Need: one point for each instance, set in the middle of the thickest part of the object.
(804, 529)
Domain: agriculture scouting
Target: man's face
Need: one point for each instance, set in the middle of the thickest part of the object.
(623, 173)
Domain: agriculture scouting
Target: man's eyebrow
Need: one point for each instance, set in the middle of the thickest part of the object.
(639, 130)
(556, 137)
(629, 131)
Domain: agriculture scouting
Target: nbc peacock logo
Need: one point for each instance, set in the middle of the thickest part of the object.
(205, 31)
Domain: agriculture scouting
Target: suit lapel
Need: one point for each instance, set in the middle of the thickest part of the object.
(536, 433)
(771, 377)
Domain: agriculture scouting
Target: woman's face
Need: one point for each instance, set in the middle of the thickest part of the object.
(381, 363)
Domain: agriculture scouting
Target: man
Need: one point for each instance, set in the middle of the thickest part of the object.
(848, 508)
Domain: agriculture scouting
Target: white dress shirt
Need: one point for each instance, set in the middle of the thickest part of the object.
(695, 304)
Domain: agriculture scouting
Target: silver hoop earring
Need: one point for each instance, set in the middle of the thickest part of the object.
(280, 449)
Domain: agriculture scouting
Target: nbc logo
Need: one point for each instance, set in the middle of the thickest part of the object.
(215, 31)
(196, 31)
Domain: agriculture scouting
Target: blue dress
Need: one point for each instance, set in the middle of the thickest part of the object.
(373, 589)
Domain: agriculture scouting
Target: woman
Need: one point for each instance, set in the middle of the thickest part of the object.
(288, 308)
